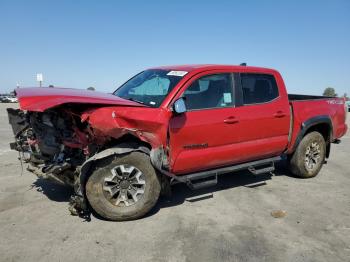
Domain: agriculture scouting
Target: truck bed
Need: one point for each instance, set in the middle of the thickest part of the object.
(306, 107)
(297, 97)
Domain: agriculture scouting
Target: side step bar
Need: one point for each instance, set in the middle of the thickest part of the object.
(262, 170)
(210, 178)
(203, 183)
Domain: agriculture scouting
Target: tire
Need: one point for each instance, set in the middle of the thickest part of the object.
(125, 204)
(309, 156)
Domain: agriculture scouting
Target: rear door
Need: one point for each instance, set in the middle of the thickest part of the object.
(264, 117)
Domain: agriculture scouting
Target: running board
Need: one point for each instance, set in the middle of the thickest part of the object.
(256, 170)
(203, 182)
(210, 178)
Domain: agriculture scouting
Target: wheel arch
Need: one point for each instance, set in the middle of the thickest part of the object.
(321, 124)
(122, 146)
(119, 149)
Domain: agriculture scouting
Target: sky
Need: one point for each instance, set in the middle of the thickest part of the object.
(78, 44)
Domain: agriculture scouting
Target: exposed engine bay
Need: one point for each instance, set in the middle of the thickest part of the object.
(63, 143)
(54, 143)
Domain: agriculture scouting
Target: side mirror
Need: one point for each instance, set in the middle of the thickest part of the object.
(179, 106)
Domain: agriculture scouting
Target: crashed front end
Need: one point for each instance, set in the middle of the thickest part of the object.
(60, 141)
(53, 143)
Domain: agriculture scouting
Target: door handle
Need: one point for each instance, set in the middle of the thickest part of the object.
(279, 114)
(231, 120)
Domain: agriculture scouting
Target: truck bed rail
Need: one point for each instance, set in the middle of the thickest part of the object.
(295, 97)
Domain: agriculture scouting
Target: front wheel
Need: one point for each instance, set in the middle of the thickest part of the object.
(124, 188)
(308, 158)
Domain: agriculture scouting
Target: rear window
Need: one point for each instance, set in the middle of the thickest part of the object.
(258, 88)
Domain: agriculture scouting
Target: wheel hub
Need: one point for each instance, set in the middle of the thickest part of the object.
(312, 156)
(124, 186)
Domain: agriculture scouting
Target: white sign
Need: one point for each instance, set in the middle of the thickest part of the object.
(39, 77)
(177, 73)
(227, 98)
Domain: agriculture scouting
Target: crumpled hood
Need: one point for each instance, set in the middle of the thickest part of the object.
(42, 98)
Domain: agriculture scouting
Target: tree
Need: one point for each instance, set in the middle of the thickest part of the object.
(329, 91)
(91, 88)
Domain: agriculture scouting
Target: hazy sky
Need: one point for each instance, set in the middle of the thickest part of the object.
(103, 43)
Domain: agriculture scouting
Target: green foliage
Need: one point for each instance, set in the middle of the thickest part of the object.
(330, 91)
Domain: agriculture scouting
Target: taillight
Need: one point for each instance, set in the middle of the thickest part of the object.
(346, 109)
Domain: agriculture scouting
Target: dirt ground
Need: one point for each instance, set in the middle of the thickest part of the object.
(229, 222)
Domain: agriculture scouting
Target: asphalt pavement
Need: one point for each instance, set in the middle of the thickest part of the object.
(229, 222)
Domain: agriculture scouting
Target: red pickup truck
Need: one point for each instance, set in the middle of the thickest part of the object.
(167, 125)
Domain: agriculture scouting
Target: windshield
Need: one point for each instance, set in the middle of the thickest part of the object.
(150, 87)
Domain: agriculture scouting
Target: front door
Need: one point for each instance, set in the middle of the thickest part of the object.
(202, 137)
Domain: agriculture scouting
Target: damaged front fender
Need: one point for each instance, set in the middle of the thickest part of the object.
(109, 123)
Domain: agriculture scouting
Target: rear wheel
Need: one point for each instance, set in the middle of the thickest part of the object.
(124, 188)
(309, 156)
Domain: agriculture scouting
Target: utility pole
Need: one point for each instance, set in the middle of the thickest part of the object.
(39, 78)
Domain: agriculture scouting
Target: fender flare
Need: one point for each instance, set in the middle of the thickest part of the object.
(120, 149)
(305, 126)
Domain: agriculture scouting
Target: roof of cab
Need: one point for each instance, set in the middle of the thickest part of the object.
(205, 67)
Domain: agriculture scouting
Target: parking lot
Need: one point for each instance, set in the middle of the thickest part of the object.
(229, 222)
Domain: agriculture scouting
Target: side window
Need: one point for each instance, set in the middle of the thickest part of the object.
(213, 91)
(258, 88)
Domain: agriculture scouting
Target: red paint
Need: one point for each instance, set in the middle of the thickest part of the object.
(40, 99)
(148, 124)
(304, 110)
(254, 132)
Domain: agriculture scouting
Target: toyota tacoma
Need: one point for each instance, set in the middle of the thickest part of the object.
(174, 124)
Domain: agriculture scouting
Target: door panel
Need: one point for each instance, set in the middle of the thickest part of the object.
(264, 115)
(208, 138)
(207, 124)
(262, 130)
(201, 139)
